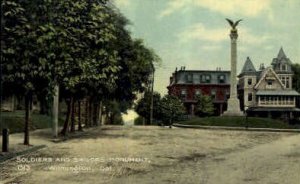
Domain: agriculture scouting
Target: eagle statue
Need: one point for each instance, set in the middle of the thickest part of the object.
(233, 24)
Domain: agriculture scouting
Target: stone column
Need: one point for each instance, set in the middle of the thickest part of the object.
(233, 108)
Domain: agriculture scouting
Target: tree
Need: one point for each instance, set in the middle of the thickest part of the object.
(296, 77)
(171, 108)
(24, 68)
(204, 106)
(143, 106)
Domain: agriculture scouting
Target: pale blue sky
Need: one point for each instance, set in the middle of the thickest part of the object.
(194, 33)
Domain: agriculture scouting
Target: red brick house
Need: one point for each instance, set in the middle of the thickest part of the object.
(186, 84)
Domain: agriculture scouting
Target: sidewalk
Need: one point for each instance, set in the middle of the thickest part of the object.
(236, 128)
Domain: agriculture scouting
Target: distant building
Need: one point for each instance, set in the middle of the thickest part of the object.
(186, 84)
(268, 91)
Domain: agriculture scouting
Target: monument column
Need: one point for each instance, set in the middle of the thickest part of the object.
(233, 103)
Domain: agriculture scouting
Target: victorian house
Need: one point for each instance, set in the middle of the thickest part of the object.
(186, 84)
(268, 91)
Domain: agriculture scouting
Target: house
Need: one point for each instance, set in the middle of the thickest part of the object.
(186, 84)
(268, 91)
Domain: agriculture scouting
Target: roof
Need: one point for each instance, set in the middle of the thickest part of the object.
(264, 73)
(248, 66)
(278, 92)
(202, 71)
(281, 58)
(281, 54)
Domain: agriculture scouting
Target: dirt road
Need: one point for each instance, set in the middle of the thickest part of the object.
(160, 155)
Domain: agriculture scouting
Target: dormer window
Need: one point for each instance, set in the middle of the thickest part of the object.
(284, 67)
(221, 79)
(207, 78)
(189, 78)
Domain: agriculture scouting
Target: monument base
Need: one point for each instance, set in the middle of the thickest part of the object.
(233, 108)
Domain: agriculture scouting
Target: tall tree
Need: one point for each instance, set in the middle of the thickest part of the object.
(23, 66)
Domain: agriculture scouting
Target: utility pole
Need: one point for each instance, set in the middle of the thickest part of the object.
(151, 105)
(55, 111)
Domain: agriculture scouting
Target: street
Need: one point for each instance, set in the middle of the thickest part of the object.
(128, 154)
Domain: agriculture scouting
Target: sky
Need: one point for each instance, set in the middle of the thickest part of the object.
(195, 34)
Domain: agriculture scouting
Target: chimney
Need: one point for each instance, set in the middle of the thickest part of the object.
(262, 66)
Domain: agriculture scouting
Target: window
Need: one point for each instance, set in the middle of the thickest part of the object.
(269, 84)
(221, 79)
(227, 95)
(249, 82)
(287, 82)
(283, 67)
(198, 92)
(213, 94)
(189, 78)
(183, 93)
(207, 78)
(249, 97)
(202, 78)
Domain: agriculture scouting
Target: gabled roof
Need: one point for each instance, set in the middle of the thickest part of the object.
(263, 75)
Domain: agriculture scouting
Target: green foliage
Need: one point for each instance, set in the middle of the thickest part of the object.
(113, 110)
(143, 106)
(171, 108)
(204, 106)
(15, 121)
(82, 46)
(139, 121)
(296, 77)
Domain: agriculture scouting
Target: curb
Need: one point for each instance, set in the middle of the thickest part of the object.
(12, 155)
(236, 128)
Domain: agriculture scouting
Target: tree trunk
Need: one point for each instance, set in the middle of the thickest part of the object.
(100, 112)
(86, 112)
(79, 116)
(27, 118)
(95, 114)
(90, 119)
(55, 111)
(66, 124)
(112, 118)
(72, 128)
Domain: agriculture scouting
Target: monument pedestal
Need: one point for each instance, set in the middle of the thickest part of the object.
(233, 108)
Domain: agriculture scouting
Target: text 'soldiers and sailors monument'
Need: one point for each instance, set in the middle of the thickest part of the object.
(233, 108)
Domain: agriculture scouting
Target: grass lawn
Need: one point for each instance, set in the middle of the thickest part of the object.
(253, 122)
(15, 121)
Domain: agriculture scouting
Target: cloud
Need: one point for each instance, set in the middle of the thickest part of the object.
(246, 36)
(249, 8)
(200, 32)
(121, 3)
(211, 47)
(173, 6)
